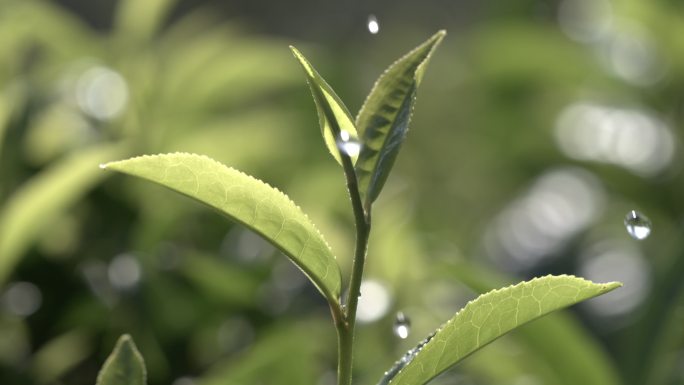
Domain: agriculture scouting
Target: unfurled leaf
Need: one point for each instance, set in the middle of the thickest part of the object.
(336, 122)
(248, 201)
(125, 366)
(384, 118)
(490, 316)
(591, 365)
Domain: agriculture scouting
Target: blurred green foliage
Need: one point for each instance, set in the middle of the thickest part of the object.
(211, 302)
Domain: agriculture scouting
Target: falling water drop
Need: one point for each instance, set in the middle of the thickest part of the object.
(348, 144)
(373, 26)
(402, 325)
(638, 225)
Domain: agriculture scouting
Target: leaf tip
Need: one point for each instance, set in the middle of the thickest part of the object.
(125, 338)
(125, 354)
(112, 166)
(295, 52)
(610, 286)
(125, 342)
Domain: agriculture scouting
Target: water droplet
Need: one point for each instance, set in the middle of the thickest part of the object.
(402, 325)
(403, 361)
(103, 165)
(638, 225)
(348, 144)
(373, 26)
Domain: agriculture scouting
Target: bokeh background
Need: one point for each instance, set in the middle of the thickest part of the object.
(539, 125)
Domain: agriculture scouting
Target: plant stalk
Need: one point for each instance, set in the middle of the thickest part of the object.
(345, 329)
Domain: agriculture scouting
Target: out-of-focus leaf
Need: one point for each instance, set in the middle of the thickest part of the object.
(5, 114)
(336, 123)
(384, 118)
(655, 356)
(60, 355)
(256, 137)
(55, 131)
(284, 355)
(248, 201)
(15, 345)
(45, 196)
(125, 366)
(140, 19)
(489, 317)
(46, 23)
(222, 281)
(565, 63)
(216, 78)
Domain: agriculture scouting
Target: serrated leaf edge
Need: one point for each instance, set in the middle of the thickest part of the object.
(181, 153)
(608, 286)
(439, 36)
(104, 166)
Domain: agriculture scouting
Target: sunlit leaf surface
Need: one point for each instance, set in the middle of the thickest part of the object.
(384, 118)
(248, 201)
(336, 122)
(489, 317)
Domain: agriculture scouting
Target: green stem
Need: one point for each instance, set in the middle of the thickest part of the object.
(345, 327)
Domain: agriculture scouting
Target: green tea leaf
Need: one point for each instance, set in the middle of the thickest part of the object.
(125, 366)
(336, 122)
(384, 118)
(248, 201)
(31, 209)
(590, 365)
(490, 316)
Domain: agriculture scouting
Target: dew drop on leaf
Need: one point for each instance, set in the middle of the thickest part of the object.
(638, 225)
(348, 145)
(403, 361)
(373, 26)
(402, 325)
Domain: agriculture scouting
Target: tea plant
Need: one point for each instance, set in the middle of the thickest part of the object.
(366, 148)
